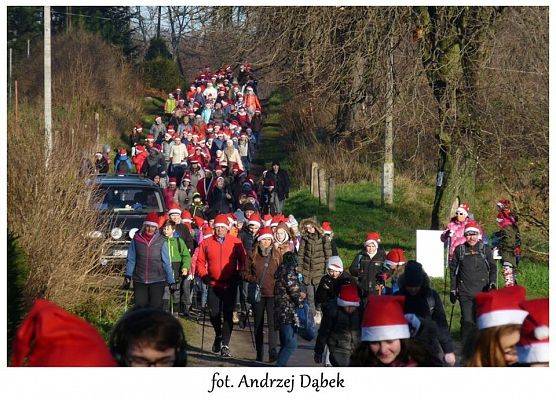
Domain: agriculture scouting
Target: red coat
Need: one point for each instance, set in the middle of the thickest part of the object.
(138, 160)
(221, 261)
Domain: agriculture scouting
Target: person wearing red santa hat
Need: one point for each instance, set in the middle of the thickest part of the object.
(219, 261)
(368, 264)
(499, 319)
(533, 346)
(394, 263)
(472, 270)
(169, 193)
(327, 229)
(386, 339)
(508, 241)
(454, 232)
(259, 272)
(148, 265)
(49, 336)
(340, 329)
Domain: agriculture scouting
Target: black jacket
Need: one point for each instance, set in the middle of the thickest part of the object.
(281, 181)
(186, 236)
(247, 239)
(365, 270)
(329, 288)
(218, 201)
(153, 165)
(472, 269)
(287, 291)
(426, 304)
(340, 331)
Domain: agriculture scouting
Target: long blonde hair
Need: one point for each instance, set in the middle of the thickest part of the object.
(488, 351)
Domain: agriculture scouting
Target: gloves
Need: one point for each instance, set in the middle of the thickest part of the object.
(190, 277)
(127, 283)
(318, 358)
(451, 233)
(453, 297)
(173, 287)
(327, 282)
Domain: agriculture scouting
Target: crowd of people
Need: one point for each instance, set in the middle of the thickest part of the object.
(226, 248)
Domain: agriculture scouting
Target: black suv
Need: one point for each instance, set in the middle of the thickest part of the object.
(125, 201)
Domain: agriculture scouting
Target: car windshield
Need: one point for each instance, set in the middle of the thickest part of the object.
(130, 199)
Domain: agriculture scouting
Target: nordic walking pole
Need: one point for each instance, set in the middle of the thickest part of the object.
(203, 330)
(451, 316)
(251, 332)
(446, 266)
(126, 300)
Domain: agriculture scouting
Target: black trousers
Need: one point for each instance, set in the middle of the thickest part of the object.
(148, 294)
(265, 305)
(468, 322)
(221, 306)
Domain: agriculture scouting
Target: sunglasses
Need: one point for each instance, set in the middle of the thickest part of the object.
(460, 213)
(470, 234)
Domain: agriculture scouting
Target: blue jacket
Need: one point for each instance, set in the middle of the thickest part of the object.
(120, 160)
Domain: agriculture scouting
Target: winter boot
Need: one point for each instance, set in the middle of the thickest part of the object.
(272, 355)
(509, 276)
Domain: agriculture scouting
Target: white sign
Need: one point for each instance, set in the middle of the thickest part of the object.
(430, 252)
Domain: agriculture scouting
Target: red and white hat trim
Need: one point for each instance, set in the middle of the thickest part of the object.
(218, 224)
(345, 303)
(175, 211)
(472, 229)
(501, 317)
(264, 236)
(368, 242)
(254, 222)
(384, 332)
(150, 223)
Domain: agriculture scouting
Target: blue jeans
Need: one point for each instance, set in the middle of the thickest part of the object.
(288, 344)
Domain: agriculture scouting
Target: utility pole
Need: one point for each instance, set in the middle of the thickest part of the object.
(47, 86)
(388, 167)
(10, 80)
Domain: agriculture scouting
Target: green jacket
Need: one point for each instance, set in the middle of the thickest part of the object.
(169, 106)
(179, 252)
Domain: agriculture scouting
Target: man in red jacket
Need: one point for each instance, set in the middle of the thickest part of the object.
(219, 261)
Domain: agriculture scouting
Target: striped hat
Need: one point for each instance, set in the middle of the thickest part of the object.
(500, 307)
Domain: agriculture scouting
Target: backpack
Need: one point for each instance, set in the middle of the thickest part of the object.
(461, 252)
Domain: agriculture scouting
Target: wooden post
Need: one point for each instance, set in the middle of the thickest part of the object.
(388, 166)
(47, 85)
(322, 186)
(28, 48)
(97, 129)
(331, 194)
(16, 108)
(314, 179)
(10, 79)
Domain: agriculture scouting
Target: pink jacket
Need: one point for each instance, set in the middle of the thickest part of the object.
(457, 237)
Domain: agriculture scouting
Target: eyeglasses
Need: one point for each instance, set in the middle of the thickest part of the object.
(136, 361)
(470, 234)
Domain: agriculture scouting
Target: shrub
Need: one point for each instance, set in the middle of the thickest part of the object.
(17, 275)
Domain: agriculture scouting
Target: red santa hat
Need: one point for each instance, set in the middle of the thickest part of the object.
(372, 237)
(267, 219)
(221, 220)
(171, 128)
(173, 180)
(395, 257)
(186, 177)
(335, 264)
(265, 233)
(463, 208)
(327, 228)
(139, 148)
(186, 216)
(384, 319)
(207, 231)
(232, 220)
(533, 344)
(348, 296)
(51, 337)
(472, 226)
(200, 222)
(150, 137)
(123, 151)
(255, 219)
(152, 219)
(500, 307)
(276, 220)
(174, 208)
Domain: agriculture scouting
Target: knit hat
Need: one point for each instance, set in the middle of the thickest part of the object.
(327, 228)
(463, 208)
(500, 307)
(174, 208)
(372, 237)
(207, 231)
(186, 216)
(152, 219)
(395, 257)
(472, 226)
(413, 274)
(264, 233)
(533, 343)
(384, 319)
(254, 219)
(348, 296)
(49, 336)
(221, 220)
(335, 264)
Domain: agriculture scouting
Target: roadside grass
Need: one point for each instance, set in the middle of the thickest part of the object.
(359, 210)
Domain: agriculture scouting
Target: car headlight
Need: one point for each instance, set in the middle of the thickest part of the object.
(95, 234)
(116, 233)
(132, 232)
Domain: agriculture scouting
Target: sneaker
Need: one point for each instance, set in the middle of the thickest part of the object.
(235, 317)
(217, 345)
(225, 352)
